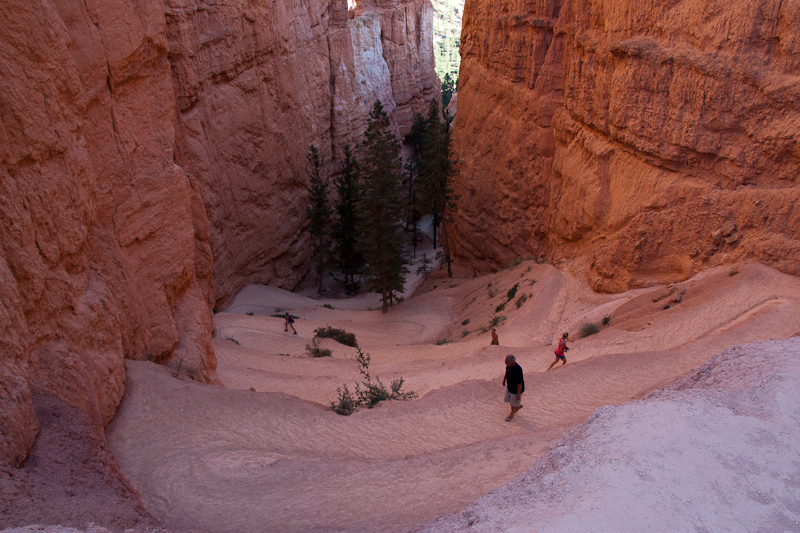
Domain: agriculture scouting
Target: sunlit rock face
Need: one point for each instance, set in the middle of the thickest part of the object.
(647, 141)
(257, 85)
(104, 249)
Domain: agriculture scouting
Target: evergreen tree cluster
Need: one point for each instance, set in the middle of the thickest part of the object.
(449, 86)
(363, 236)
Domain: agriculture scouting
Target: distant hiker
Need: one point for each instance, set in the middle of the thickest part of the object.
(289, 323)
(515, 385)
(495, 340)
(561, 351)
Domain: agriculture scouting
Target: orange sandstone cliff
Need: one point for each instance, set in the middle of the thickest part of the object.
(152, 163)
(642, 141)
(104, 249)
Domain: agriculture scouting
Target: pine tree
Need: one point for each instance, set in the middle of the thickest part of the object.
(449, 86)
(436, 193)
(434, 167)
(348, 256)
(319, 214)
(412, 169)
(424, 267)
(380, 224)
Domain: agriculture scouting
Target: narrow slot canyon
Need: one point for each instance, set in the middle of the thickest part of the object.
(188, 345)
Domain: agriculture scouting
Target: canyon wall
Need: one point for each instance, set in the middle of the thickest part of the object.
(640, 141)
(257, 84)
(104, 248)
(140, 139)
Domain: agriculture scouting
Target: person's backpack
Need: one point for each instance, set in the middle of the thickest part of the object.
(291, 320)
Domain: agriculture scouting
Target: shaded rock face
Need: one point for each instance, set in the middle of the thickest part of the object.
(104, 248)
(627, 135)
(257, 84)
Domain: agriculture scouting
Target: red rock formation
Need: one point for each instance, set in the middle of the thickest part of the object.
(138, 137)
(627, 134)
(103, 239)
(257, 85)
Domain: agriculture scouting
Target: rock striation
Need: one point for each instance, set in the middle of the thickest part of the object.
(626, 135)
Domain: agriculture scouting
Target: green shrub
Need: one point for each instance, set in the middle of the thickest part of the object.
(439, 342)
(327, 306)
(465, 322)
(339, 335)
(521, 300)
(588, 328)
(500, 307)
(345, 404)
(512, 292)
(398, 393)
(496, 320)
(249, 313)
(464, 333)
(369, 392)
(606, 320)
(315, 350)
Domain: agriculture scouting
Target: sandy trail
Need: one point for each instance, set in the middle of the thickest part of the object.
(714, 451)
(279, 460)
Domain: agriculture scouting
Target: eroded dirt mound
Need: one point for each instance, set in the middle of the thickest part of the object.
(70, 478)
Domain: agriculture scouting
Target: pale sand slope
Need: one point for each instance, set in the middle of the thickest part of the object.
(279, 460)
(717, 451)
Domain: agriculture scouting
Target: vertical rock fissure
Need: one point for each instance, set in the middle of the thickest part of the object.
(332, 80)
(113, 118)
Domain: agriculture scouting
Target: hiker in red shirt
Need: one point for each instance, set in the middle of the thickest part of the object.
(561, 350)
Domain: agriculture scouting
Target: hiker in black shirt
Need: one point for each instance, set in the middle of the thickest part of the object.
(515, 385)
